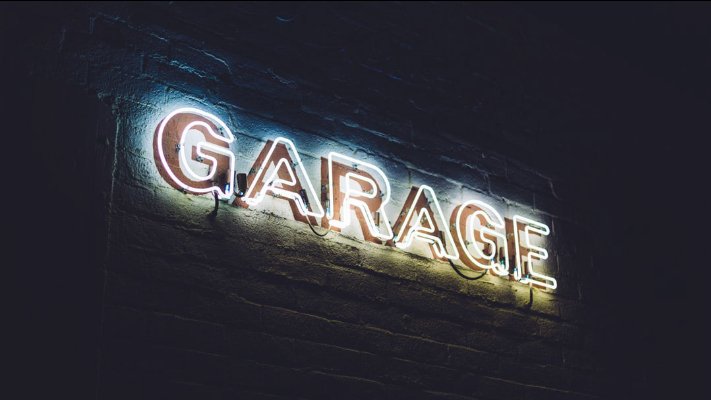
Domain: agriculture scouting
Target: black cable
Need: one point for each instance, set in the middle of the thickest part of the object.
(314, 230)
(530, 298)
(217, 204)
(469, 278)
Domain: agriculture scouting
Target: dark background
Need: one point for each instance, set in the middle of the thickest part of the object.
(657, 144)
(658, 148)
(636, 158)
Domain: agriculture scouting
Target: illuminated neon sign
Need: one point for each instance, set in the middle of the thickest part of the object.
(191, 148)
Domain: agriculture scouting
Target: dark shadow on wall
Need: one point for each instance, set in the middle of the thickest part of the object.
(645, 191)
(58, 166)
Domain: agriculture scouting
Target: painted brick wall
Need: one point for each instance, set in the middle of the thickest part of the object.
(470, 99)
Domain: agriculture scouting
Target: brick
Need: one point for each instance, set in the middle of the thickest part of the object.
(562, 190)
(576, 312)
(492, 342)
(509, 191)
(567, 334)
(526, 178)
(579, 360)
(541, 352)
(537, 375)
(186, 333)
(119, 34)
(514, 322)
(471, 360)
(463, 174)
(491, 163)
(180, 76)
(499, 388)
(550, 205)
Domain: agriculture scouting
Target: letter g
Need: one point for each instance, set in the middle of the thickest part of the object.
(187, 138)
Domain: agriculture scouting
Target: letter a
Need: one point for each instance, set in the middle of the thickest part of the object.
(282, 180)
(419, 223)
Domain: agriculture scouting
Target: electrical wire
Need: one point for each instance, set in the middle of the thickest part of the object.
(473, 278)
(530, 298)
(459, 272)
(314, 230)
(217, 204)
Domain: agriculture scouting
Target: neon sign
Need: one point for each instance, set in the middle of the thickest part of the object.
(185, 122)
(424, 227)
(275, 182)
(369, 202)
(191, 149)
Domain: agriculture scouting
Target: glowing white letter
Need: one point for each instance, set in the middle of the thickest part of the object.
(191, 129)
(467, 215)
(359, 175)
(533, 252)
(424, 226)
(275, 182)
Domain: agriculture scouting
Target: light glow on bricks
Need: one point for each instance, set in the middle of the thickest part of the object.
(273, 183)
(524, 271)
(491, 234)
(205, 124)
(352, 188)
(425, 226)
(355, 193)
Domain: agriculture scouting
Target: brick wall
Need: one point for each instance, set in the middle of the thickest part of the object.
(473, 100)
